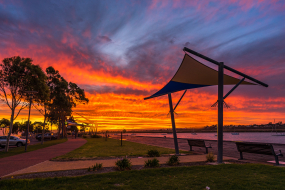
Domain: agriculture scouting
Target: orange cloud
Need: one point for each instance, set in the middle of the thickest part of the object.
(119, 60)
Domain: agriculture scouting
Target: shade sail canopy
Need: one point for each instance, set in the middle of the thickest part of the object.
(193, 74)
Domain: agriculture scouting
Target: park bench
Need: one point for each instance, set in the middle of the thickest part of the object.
(257, 148)
(199, 143)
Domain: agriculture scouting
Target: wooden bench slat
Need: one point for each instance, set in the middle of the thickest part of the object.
(257, 148)
(197, 142)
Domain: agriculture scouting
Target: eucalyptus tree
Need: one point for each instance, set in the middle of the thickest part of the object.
(59, 105)
(76, 95)
(64, 96)
(18, 75)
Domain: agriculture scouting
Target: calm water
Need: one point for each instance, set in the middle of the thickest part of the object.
(265, 137)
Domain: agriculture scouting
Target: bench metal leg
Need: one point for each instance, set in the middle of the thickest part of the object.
(190, 148)
(276, 160)
(241, 157)
(206, 150)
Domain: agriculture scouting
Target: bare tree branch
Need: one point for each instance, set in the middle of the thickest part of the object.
(3, 90)
(19, 100)
(40, 110)
(23, 107)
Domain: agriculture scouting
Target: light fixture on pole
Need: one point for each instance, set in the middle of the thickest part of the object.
(31, 95)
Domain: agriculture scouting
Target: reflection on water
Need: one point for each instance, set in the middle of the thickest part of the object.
(265, 137)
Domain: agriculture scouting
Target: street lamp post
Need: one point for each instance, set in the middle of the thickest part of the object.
(31, 93)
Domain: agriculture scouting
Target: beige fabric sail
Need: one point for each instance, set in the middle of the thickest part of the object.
(192, 71)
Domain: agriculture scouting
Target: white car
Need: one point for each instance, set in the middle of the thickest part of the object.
(14, 141)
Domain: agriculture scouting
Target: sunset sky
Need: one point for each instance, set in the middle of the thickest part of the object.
(122, 51)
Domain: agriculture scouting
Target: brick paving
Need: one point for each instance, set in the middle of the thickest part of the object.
(18, 162)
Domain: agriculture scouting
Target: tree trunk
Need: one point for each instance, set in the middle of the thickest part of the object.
(58, 133)
(51, 130)
(10, 131)
(43, 131)
(62, 125)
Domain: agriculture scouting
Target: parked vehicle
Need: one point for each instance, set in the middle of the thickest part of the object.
(47, 136)
(38, 136)
(14, 141)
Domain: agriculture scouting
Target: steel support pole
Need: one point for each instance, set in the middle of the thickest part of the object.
(28, 126)
(220, 112)
(173, 124)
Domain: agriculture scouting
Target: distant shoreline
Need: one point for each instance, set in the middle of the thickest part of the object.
(202, 131)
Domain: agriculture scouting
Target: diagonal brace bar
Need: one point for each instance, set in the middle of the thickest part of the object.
(229, 92)
(179, 100)
(234, 88)
(178, 103)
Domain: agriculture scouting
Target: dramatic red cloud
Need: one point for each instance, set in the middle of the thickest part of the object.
(125, 51)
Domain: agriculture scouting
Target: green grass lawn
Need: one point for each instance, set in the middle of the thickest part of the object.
(20, 150)
(98, 147)
(229, 177)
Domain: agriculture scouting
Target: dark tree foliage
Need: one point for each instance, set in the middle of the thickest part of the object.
(21, 127)
(18, 75)
(17, 127)
(38, 127)
(63, 97)
(4, 123)
(56, 96)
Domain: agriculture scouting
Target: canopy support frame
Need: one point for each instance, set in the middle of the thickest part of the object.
(173, 124)
(180, 100)
(220, 112)
(229, 92)
(220, 95)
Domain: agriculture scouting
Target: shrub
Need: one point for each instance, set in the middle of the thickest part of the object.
(152, 163)
(97, 166)
(210, 157)
(124, 164)
(89, 169)
(173, 160)
(96, 136)
(153, 153)
(84, 136)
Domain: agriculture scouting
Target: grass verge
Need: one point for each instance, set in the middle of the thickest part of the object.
(98, 147)
(20, 150)
(230, 176)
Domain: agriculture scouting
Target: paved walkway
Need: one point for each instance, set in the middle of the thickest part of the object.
(49, 166)
(38, 161)
(229, 148)
(18, 162)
